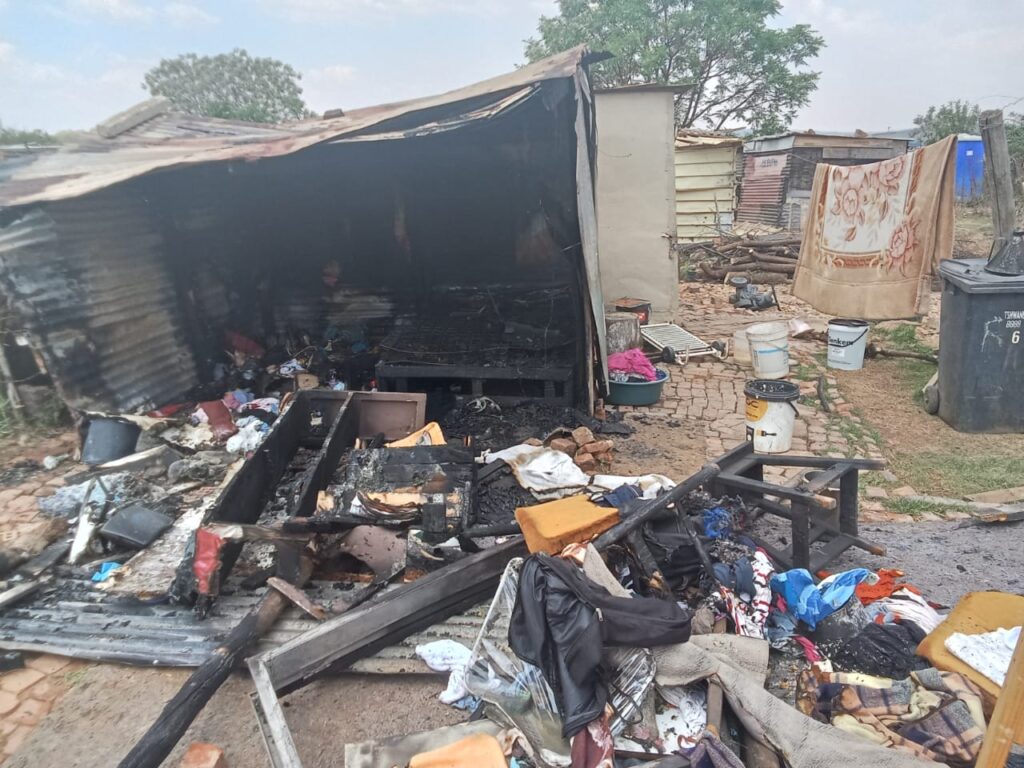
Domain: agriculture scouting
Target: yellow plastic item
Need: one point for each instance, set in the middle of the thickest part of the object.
(977, 612)
(552, 526)
(480, 750)
(428, 435)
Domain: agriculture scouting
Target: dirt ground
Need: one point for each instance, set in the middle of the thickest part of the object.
(111, 707)
(661, 445)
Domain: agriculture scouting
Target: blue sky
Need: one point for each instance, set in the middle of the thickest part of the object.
(71, 63)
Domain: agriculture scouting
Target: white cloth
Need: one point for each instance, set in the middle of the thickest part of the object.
(550, 474)
(448, 656)
(988, 652)
(907, 605)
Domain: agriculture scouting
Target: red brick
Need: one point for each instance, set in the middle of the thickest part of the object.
(45, 690)
(8, 701)
(9, 494)
(582, 436)
(18, 680)
(22, 504)
(29, 712)
(598, 446)
(47, 664)
(204, 756)
(563, 444)
(16, 739)
(586, 462)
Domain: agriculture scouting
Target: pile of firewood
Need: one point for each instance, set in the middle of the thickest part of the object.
(772, 254)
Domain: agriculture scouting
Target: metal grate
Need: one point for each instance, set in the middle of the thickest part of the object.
(661, 335)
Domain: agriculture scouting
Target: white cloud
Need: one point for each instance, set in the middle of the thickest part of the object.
(118, 10)
(312, 10)
(35, 94)
(186, 13)
(328, 87)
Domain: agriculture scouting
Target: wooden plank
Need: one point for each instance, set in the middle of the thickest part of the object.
(999, 179)
(795, 494)
(1006, 728)
(359, 633)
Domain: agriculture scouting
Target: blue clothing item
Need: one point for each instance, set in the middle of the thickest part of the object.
(105, 570)
(717, 522)
(810, 602)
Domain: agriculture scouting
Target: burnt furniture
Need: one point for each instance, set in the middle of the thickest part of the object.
(812, 515)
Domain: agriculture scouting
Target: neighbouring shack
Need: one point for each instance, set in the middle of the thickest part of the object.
(443, 245)
(778, 171)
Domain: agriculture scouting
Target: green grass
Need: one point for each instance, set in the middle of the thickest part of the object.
(915, 508)
(959, 474)
(901, 338)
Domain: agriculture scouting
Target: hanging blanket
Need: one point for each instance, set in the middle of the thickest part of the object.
(875, 233)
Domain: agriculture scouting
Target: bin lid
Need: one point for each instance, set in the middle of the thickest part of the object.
(969, 275)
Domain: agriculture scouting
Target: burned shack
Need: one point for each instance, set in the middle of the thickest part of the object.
(445, 244)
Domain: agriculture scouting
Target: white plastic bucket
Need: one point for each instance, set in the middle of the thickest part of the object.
(741, 347)
(769, 350)
(847, 340)
(771, 414)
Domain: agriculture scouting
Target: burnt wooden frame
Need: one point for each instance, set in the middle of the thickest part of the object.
(356, 634)
(742, 471)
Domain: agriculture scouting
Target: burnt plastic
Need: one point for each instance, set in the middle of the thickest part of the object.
(981, 348)
(135, 526)
(109, 439)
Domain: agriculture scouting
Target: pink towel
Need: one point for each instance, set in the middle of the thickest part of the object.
(632, 361)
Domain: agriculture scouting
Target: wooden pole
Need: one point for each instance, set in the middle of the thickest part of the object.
(177, 716)
(997, 169)
(1006, 728)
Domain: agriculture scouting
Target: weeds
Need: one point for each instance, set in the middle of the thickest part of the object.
(959, 474)
(915, 508)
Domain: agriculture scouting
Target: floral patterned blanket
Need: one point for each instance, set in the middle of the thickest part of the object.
(875, 233)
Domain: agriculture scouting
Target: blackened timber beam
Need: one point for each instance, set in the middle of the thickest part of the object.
(339, 642)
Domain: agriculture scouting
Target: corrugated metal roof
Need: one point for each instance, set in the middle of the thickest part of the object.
(764, 188)
(89, 281)
(692, 137)
(75, 171)
(86, 623)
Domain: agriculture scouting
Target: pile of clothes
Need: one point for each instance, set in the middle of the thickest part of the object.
(632, 366)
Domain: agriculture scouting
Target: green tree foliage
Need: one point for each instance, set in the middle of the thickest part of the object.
(952, 117)
(738, 70)
(232, 85)
(12, 136)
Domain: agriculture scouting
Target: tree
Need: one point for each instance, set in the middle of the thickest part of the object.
(736, 68)
(11, 136)
(952, 117)
(230, 85)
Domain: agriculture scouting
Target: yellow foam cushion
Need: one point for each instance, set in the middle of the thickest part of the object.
(478, 751)
(552, 526)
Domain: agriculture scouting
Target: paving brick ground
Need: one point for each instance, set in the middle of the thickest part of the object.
(27, 695)
(709, 391)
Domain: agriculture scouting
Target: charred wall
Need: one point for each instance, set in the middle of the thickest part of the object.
(129, 291)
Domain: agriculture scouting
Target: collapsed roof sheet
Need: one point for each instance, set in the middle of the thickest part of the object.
(95, 164)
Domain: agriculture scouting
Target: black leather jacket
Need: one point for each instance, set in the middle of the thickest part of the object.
(561, 622)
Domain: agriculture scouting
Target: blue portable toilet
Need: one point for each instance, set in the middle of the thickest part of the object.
(970, 167)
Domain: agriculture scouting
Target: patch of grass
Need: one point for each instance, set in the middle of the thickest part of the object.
(915, 508)
(902, 338)
(75, 676)
(959, 473)
(875, 479)
(804, 372)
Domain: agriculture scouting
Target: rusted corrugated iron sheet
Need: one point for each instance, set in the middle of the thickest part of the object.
(88, 279)
(70, 173)
(764, 188)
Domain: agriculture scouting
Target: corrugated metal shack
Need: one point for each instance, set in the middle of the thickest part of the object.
(706, 180)
(127, 256)
(778, 171)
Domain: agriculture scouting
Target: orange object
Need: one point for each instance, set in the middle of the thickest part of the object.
(201, 755)
(428, 435)
(887, 584)
(480, 750)
(552, 526)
